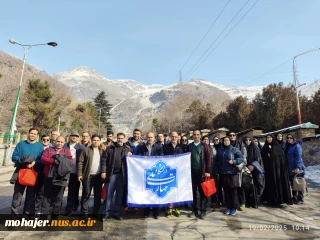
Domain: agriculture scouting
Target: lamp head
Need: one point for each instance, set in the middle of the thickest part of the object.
(12, 41)
(53, 44)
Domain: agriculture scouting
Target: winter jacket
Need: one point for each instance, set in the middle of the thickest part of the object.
(108, 159)
(156, 150)
(131, 145)
(78, 148)
(294, 157)
(205, 157)
(60, 173)
(240, 145)
(85, 163)
(48, 160)
(224, 154)
(168, 149)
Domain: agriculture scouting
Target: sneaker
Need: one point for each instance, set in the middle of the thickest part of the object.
(125, 210)
(177, 212)
(233, 212)
(242, 207)
(227, 212)
(169, 212)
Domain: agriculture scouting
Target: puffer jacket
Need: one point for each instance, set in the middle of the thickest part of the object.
(294, 157)
(224, 154)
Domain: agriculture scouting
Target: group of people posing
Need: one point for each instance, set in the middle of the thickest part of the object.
(93, 163)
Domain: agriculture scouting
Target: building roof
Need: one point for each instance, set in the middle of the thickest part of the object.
(250, 129)
(317, 136)
(307, 125)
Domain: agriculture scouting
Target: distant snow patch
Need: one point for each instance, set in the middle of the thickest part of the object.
(313, 173)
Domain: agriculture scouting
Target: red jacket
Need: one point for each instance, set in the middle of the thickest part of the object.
(48, 161)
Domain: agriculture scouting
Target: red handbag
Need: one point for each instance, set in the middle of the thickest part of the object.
(104, 192)
(209, 187)
(27, 177)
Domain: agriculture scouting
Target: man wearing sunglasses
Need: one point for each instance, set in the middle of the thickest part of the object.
(45, 141)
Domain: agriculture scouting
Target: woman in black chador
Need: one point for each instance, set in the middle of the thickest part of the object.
(252, 196)
(277, 186)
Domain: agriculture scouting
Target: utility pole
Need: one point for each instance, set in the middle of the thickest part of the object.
(296, 86)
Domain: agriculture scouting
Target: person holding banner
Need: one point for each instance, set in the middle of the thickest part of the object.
(200, 168)
(150, 149)
(172, 148)
(113, 170)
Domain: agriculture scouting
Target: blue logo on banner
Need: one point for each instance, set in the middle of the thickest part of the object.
(160, 179)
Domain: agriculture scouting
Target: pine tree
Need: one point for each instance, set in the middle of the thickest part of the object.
(102, 104)
(39, 108)
(84, 118)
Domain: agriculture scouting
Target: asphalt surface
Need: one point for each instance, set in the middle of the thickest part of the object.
(287, 222)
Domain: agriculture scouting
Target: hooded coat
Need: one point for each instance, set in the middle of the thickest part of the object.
(293, 153)
(277, 186)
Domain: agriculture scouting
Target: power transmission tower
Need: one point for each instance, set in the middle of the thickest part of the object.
(180, 77)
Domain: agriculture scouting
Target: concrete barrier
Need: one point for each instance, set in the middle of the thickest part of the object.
(5, 154)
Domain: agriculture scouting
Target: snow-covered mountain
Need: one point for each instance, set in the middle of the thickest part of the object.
(310, 89)
(133, 101)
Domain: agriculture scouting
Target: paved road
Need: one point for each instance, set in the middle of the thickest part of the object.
(216, 226)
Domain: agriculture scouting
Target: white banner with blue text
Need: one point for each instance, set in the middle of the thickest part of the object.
(159, 181)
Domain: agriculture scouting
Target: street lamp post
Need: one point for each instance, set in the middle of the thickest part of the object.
(26, 50)
(296, 82)
(99, 120)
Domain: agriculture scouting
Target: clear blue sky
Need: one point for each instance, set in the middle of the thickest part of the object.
(149, 41)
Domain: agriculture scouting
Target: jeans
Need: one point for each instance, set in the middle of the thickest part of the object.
(115, 185)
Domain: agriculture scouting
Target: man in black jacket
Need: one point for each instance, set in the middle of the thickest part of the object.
(150, 149)
(113, 170)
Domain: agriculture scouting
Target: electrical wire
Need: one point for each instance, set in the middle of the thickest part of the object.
(190, 73)
(216, 39)
(202, 39)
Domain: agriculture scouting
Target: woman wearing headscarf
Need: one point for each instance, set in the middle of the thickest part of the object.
(277, 186)
(293, 151)
(226, 160)
(184, 143)
(251, 196)
(217, 198)
(279, 137)
(257, 142)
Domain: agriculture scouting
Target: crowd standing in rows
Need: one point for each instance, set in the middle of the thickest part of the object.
(245, 173)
